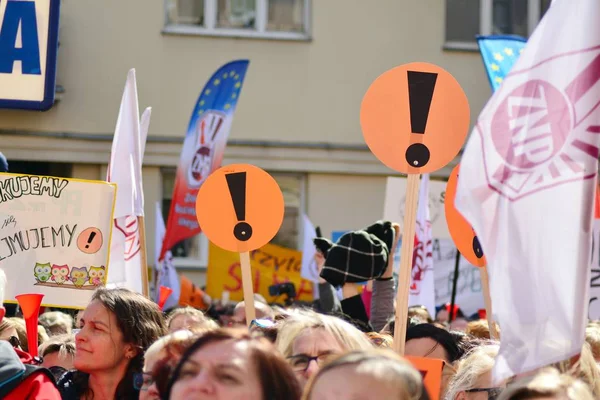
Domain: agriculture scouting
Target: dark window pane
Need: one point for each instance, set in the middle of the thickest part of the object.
(462, 20)
(510, 17)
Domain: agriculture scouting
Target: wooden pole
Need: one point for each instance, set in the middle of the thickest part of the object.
(487, 298)
(247, 287)
(143, 255)
(406, 257)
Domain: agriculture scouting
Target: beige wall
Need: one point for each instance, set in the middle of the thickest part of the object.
(308, 91)
(338, 202)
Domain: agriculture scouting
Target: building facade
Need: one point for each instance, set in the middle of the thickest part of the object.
(311, 62)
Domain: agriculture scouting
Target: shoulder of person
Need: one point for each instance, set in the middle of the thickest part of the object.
(67, 385)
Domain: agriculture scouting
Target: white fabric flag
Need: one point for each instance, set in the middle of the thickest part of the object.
(527, 182)
(309, 269)
(422, 282)
(167, 274)
(125, 169)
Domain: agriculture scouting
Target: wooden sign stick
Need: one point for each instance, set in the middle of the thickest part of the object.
(247, 287)
(406, 257)
(143, 256)
(485, 285)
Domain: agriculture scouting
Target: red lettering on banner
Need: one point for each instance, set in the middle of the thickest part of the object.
(233, 268)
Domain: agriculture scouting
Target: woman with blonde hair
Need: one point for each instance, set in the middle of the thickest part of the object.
(368, 374)
(583, 367)
(308, 340)
(548, 384)
(474, 375)
(189, 318)
(165, 352)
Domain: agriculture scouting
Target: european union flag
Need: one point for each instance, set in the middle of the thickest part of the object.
(499, 53)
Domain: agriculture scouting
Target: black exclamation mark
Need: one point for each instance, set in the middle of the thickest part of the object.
(90, 239)
(420, 93)
(237, 189)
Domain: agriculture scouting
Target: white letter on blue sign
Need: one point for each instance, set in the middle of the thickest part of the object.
(20, 13)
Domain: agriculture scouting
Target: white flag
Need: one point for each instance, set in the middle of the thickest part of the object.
(526, 184)
(167, 274)
(422, 282)
(309, 269)
(125, 169)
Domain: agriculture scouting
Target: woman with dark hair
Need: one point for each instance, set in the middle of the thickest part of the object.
(116, 328)
(231, 364)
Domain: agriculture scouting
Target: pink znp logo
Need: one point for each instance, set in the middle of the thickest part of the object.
(422, 258)
(129, 226)
(545, 131)
(209, 127)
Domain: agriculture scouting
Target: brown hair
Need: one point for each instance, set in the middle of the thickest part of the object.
(193, 313)
(140, 321)
(20, 327)
(276, 377)
(62, 344)
(479, 329)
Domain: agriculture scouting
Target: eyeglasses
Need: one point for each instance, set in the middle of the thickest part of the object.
(493, 393)
(14, 341)
(142, 381)
(301, 362)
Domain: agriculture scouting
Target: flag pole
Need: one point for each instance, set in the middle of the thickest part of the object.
(451, 313)
(143, 256)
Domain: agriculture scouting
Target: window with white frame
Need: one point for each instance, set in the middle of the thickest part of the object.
(193, 252)
(467, 18)
(284, 19)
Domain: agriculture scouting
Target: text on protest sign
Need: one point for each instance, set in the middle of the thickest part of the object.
(54, 236)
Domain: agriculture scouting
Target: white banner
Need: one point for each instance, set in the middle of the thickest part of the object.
(54, 237)
(395, 197)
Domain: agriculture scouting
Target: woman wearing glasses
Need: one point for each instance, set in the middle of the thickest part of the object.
(308, 340)
(473, 379)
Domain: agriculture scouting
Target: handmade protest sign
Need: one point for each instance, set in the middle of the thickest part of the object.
(240, 208)
(414, 119)
(466, 241)
(54, 237)
(271, 264)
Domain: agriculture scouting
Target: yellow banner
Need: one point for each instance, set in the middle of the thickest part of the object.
(270, 264)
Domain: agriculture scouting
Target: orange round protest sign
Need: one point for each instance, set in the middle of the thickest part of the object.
(462, 233)
(415, 118)
(240, 207)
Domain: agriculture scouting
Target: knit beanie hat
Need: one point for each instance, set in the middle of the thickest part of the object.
(358, 256)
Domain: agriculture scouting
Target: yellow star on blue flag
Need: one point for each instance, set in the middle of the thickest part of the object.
(499, 53)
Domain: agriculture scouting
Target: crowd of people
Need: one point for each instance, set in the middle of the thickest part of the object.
(122, 346)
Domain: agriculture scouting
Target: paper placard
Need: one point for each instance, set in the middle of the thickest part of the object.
(55, 237)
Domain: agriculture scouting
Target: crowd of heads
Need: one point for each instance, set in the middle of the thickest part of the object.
(123, 346)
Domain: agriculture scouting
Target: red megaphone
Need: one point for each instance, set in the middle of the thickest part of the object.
(30, 306)
(164, 294)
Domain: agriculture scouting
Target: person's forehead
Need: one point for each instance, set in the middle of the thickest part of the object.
(315, 340)
(96, 311)
(223, 352)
